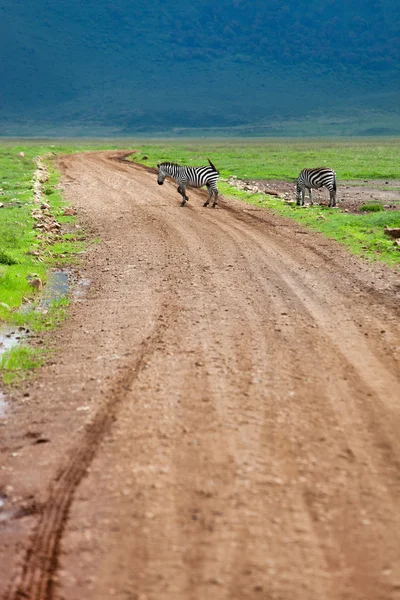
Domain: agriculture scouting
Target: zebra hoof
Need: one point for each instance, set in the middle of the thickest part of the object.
(205, 204)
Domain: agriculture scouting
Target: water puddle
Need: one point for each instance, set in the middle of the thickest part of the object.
(10, 337)
(57, 287)
(3, 410)
(59, 284)
(81, 289)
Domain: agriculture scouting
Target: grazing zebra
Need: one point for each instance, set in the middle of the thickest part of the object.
(316, 178)
(192, 176)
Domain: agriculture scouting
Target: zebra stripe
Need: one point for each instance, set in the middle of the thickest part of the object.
(316, 178)
(192, 176)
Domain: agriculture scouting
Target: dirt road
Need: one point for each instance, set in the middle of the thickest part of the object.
(221, 415)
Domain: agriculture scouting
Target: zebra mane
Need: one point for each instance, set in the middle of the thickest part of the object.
(169, 164)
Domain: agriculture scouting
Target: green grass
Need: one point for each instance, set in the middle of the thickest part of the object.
(17, 235)
(17, 363)
(372, 207)
(283, 159)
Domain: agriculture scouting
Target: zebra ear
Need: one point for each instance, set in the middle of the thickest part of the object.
(158, 166)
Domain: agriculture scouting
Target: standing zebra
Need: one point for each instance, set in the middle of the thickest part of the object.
(316, 178)
(192, 176)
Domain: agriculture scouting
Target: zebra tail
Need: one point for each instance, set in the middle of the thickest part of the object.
(334, 183)
(211, 165)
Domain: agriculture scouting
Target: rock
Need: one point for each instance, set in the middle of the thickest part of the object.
(69, 212)
(35, 282)
(393, 231)
(21, 154)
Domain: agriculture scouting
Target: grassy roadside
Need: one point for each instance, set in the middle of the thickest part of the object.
(363, 233)
(32, 242)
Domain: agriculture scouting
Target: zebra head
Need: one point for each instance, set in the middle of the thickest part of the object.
(161, 175)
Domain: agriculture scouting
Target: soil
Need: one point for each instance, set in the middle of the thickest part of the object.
(220, 416)
(351, 195)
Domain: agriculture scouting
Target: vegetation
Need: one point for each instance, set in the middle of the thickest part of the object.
(27, 253)
(283, 158)
(18, 362)
(232, 67)
(372, 207)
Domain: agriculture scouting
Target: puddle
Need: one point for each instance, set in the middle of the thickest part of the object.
(59, 284)
(81, 288)
(10, 337)
(3, 410)
(57, 287)
(69, 228)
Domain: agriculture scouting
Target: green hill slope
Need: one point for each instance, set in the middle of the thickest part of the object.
(236, 66)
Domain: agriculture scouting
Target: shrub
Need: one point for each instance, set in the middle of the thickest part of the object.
(7, 259)
(372, 207)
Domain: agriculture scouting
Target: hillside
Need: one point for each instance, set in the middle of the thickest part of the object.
(237, 67)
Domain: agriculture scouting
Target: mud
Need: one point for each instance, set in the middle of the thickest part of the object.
(3, 405)
(351, 195)
(221, 411)
(10, 337)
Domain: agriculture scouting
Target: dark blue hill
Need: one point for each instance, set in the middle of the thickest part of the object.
(238, 66)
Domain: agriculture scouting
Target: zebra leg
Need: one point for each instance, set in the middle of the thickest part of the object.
(207, 202)
(215, 198)
(332, 198)
(182, 191)
(310, 195)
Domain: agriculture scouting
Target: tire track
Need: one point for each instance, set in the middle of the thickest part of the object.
(35, 578)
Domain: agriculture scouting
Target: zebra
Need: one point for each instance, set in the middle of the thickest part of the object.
(192, 176)
(316, 178)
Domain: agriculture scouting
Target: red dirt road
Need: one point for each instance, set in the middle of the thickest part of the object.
(221, 415)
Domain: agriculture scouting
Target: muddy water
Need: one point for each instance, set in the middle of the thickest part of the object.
(10, 337)
(57, 287)
(59, 284)
(3, 409)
